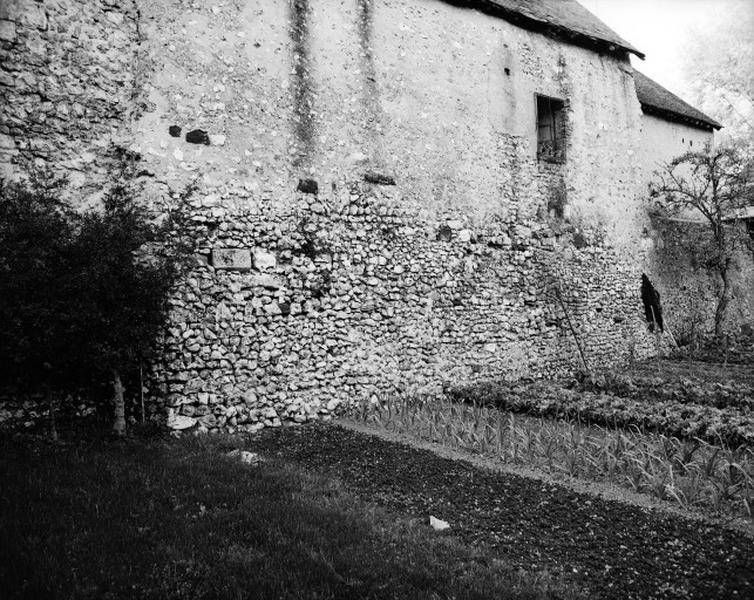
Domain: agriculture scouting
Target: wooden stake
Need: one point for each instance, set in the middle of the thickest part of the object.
(559, 296)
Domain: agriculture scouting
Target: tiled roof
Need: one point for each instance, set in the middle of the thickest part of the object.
(656, 100)
(564, 17)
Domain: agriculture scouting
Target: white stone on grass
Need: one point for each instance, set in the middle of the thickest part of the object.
(438, 524)
(246, 457)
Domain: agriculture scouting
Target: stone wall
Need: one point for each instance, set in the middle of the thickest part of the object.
(440, 97)
(688, 284)
(352, 295)
(470, 266)
(678, 260)
(68, 87)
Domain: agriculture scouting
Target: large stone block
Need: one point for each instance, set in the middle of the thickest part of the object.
(25, 12)
(7, 31)
(234, 259)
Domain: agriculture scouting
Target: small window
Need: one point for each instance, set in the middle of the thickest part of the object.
(550, 129)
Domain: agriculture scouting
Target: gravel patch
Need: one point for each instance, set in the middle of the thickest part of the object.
(609, 548)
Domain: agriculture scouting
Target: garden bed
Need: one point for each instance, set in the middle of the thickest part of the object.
(658, 388)
(611, 549)
(729, 426)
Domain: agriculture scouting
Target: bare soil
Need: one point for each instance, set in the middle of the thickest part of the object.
(609, 548)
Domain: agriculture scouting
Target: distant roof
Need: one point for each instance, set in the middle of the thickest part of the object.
(656, 100)
(566, 18)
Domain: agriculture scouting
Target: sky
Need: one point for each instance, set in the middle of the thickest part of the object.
(661, 29)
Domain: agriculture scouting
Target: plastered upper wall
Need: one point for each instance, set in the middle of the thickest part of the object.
(662, 141)
(440, 97)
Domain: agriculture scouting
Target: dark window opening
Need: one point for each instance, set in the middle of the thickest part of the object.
(550, 129)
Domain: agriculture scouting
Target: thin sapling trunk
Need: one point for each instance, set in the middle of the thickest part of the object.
(119, 426)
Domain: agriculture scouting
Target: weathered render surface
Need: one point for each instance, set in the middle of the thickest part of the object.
(365, 288)
(663, 140)
(473, 265)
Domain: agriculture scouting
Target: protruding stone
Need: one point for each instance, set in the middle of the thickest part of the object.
(174, 131)
(7, 31)
(235, 259)
(6, 142)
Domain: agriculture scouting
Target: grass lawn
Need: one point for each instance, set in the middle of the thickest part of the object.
(179, 519)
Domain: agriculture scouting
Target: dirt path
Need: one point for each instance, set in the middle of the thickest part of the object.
(611, 549)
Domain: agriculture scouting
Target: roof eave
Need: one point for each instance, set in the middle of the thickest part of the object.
(531, 22)
(675, 116)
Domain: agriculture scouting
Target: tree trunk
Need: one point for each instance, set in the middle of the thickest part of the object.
(722, 303)
(120, 406)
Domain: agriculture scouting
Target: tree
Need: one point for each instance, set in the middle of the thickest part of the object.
(717, 67)
(125, 265)
(713, 185)
(36, 287)
(82, 295)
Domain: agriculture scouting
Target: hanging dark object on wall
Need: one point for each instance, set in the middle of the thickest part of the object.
(652, 307)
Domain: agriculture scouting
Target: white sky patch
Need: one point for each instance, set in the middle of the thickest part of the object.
(662, 29)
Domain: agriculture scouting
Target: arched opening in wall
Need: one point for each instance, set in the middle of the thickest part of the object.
(650, 297)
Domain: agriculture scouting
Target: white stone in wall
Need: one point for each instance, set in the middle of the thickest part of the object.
(7, 31)
(180, 422)
(6, 142)
(263, 260)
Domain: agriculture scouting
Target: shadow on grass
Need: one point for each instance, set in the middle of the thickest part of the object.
(178, 519)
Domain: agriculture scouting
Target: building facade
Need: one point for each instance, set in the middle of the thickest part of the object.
(391, 194)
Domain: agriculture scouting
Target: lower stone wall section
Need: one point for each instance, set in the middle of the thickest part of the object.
(351, 295)
(684, 272)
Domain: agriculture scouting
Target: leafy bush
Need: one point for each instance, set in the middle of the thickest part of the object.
(82, 294)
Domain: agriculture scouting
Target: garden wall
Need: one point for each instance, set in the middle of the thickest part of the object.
(68, 88)
(478, 262)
